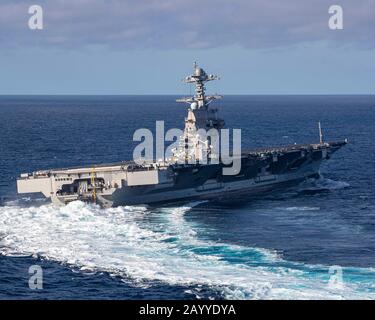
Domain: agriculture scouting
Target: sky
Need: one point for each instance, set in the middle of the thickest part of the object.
(148, 46)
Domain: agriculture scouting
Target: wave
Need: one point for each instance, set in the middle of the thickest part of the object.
(321, 185)
(330, 184)
(26, 201)
(163, 245)
(302, 208)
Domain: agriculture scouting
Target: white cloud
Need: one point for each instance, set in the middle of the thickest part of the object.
(170, 24)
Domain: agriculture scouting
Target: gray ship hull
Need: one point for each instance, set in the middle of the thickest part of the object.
(259, 174)
(226, 192)
(126, 184)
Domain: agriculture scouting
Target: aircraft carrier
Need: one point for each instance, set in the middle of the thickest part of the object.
(184, 175)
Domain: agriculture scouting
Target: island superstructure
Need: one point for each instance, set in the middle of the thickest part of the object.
(184, 175)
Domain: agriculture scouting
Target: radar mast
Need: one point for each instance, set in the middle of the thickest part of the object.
(194, 144)
(199, 77)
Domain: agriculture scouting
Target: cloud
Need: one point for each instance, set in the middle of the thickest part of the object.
(180, 24)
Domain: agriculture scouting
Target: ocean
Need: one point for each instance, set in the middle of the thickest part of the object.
(288, 244)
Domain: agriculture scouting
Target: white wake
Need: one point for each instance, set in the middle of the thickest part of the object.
(151, 245)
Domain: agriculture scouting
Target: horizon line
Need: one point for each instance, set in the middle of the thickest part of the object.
(176, 94)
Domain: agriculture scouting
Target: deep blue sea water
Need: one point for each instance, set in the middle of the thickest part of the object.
(278, 245)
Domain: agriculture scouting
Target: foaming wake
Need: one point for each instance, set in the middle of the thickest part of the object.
(162, 245)
(312, 186)
(325, 183)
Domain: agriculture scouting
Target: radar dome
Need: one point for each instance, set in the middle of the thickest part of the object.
(199, 72)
